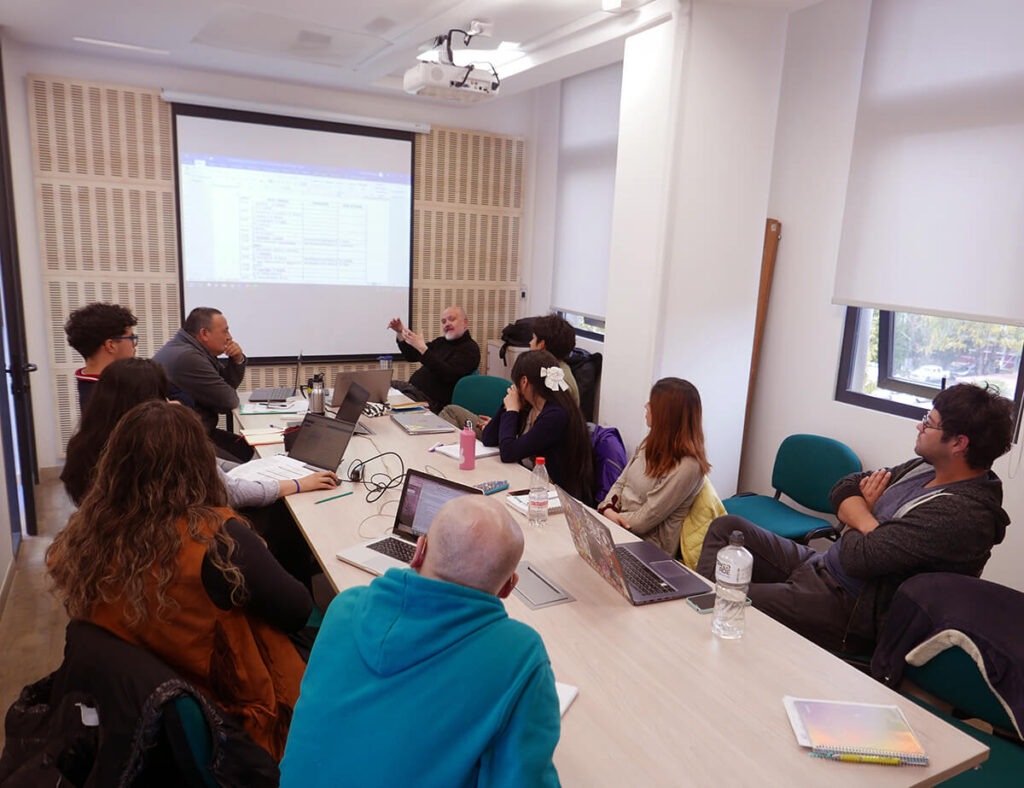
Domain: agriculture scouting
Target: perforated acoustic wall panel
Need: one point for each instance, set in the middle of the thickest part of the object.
(104, 174)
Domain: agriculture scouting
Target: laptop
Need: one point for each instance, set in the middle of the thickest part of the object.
(319, 445)
(351, 408)
(279, 393)
(421, 422)
(376, 381)
(422, 496)
(640, 571)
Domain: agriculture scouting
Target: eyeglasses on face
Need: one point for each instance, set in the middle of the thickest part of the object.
(133, 337)
(927, 425)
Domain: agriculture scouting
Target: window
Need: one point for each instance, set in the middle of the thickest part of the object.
(585, 325)
(897, 362)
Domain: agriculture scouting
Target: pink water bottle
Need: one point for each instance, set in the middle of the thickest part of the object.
(467, 447)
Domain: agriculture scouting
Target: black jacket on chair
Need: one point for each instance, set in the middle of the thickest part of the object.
(135, 737)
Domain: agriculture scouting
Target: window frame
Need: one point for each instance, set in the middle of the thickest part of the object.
(886, 333)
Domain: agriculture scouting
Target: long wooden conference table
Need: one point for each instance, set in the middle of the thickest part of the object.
(662, 702)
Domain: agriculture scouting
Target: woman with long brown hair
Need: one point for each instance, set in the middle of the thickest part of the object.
(657, 488)
(154, 556)
(539, 418)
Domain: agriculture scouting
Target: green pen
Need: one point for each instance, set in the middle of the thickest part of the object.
(341, 495)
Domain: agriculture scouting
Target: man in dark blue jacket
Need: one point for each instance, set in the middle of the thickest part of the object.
(940, 512)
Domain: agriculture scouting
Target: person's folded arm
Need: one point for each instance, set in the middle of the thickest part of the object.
(522, 755)
(203, 382)
(548, 430)
(668, 492)
(271, 593)
(492, 429)
(451, 367)
(930, 536)
(615, 491)
(409, 353)
(232, 372)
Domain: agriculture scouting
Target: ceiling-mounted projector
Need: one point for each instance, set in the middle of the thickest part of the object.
(455, 83)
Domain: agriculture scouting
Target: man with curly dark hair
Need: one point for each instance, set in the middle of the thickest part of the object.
(939, 512)
(102, 333)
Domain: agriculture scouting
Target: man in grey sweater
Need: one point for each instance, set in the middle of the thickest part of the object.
(191, 361)
(940, 512)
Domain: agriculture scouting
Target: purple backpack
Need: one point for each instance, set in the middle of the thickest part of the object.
(609, 458)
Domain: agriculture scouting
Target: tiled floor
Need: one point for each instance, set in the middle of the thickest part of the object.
(32, 622)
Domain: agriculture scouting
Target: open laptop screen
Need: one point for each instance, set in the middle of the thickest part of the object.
(351, 408)
(321, 441)
(422, 496)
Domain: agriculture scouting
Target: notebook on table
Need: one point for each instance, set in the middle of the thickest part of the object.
(422, 496)
(376, 381)
(421, 422)
(279, 393)
(640, 571)
(843, 731)
(351, 408)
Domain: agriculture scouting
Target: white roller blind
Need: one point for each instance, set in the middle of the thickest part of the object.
(588, 139)
(934, 219)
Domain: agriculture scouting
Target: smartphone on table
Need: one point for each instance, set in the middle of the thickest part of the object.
(704, 603)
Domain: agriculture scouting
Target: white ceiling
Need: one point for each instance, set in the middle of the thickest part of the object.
(362, 46)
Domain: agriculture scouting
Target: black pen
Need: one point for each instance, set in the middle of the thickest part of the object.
(519, 492)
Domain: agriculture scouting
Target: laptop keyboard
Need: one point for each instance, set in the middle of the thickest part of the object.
(396, 548)
(272, 394)
(641, 577)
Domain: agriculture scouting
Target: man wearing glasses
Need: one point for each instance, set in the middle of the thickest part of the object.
(939, 512)
(101, 333)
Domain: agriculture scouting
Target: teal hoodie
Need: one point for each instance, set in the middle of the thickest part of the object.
(419, 682)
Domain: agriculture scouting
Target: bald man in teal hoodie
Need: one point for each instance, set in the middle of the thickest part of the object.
(421, 678)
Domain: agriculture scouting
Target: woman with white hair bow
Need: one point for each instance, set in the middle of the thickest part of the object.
(539, 418)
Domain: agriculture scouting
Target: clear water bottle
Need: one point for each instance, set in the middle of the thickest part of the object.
(539, 494)
(732, 579)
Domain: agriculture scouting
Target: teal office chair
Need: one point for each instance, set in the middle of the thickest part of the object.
(481, 394)
(806, 468)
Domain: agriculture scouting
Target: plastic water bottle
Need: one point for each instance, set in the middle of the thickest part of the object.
(732, 579)
(539, 494)
(467, 447)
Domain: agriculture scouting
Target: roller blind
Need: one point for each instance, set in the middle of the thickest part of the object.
(588, 140)
(934, 219)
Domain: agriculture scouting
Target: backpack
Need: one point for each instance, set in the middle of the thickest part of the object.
(517, 334)
(586, 368)
(609, 458)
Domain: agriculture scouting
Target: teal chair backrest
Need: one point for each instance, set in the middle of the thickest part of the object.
(807, 467)
(481, 394)
(197, 732)
(953, 676)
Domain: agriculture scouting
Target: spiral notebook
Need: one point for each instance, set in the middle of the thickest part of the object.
(854, 731)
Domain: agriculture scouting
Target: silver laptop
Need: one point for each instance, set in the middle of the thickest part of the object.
(377, 382)
(278, 393)
(640, 571)
(422, 496)
(421, 422)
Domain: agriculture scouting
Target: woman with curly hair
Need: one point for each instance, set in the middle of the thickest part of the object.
(154, 555)
(654, 493)
(539, 418)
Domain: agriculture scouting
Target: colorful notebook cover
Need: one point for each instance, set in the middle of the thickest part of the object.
(854, 731)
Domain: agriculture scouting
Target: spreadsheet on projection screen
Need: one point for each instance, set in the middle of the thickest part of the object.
(306, 224)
